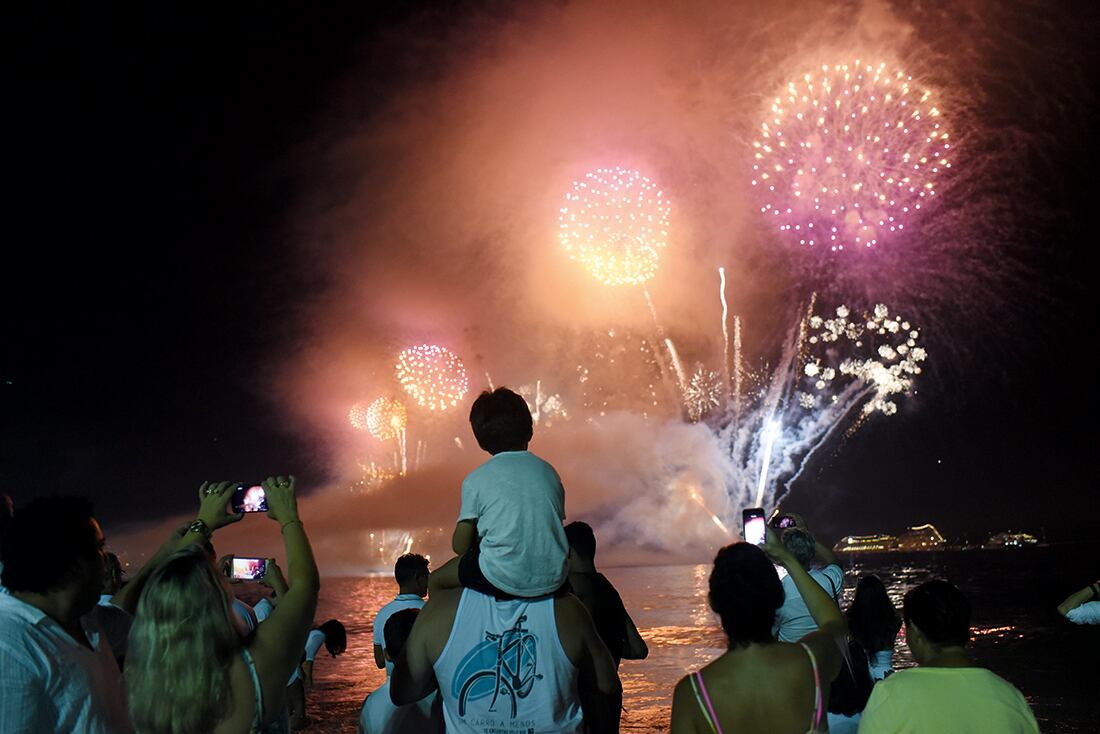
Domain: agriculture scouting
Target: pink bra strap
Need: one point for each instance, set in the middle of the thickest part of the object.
(818, 702)
(708, 712)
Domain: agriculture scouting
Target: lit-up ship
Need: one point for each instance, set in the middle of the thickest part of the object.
(1011, 540)
(918, 538)
(866, 544)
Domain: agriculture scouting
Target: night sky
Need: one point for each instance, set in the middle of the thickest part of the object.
(153, 271)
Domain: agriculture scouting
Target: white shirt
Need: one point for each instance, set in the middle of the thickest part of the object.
(51, 683)
(380, 716)
(244, 613)
(519, 505)
(401, 601)
(1087, 613)
(793, 620)
(314, 642)
(263, 609)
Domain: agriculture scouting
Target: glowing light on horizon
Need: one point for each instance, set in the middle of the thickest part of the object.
(848, 154)
(433, 376)
(615, 222)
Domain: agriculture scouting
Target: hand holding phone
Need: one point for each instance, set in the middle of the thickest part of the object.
(752, 519)
(247, 569)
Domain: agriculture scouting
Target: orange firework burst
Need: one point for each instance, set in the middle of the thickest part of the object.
(433, 376)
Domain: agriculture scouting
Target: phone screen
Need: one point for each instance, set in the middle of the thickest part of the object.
(249, 498)
(755, 525)
(248, 569)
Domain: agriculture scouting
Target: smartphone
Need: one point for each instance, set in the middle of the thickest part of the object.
(247, 569)
(752, 518)
(782, 522)
(248, 498)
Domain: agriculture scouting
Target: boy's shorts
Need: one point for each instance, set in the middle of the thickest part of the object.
(471, 577)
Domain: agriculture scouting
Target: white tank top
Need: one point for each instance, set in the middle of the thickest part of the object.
(503, 669)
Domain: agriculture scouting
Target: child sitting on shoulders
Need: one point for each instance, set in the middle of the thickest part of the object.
(509, 537)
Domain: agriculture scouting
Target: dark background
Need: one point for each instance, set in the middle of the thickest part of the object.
(146, 286)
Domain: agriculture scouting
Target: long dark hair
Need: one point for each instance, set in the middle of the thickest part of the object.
(872, 619)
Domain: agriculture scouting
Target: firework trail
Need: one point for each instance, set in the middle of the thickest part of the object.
(830, 369)
(725, 330)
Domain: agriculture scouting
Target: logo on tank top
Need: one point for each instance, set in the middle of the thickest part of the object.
(501, 667)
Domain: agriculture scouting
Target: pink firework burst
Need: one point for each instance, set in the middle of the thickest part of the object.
(848, 155)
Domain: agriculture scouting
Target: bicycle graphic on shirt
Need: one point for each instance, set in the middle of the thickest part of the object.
(512, 673)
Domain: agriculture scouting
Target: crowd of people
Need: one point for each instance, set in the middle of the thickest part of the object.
(519, 632)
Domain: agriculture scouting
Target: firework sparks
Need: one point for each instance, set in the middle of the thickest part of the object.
(615, 222)
(848, 154)
(703, 393)
(895, 356)
(386, 418)
(433, 376)
(545, 408)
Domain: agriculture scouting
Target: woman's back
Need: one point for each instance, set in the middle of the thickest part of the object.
(763, 687)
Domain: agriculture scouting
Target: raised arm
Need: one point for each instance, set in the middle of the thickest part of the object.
(1078, 598)
(277, 646)
(213, 499)
(832, 630)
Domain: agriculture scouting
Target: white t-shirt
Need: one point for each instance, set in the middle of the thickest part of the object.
(380, 716)
(244, 613)
(51, 683)
(519, 505)
(263, 609)
(401, 601)
(314, 642)
(793, 620)
(1087, 613)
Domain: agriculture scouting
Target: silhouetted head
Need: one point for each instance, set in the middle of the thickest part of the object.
(581, 539)
(937, 615)
(801, 544)
(411, 573)
(501, 421)
(745, 591)
(336, 637)
(397, 629)
(55, 543)
(872, 618)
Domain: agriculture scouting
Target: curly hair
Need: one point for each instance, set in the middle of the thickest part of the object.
(745, 591)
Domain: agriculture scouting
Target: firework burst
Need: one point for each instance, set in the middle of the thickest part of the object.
(386, 418)
(615, 222)
(894, 357)
(433, 376)
(703, 392)
(848, 154)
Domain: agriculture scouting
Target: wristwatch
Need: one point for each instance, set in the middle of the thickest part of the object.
(198, 526)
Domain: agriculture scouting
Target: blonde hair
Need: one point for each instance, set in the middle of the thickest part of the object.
(181, 648)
